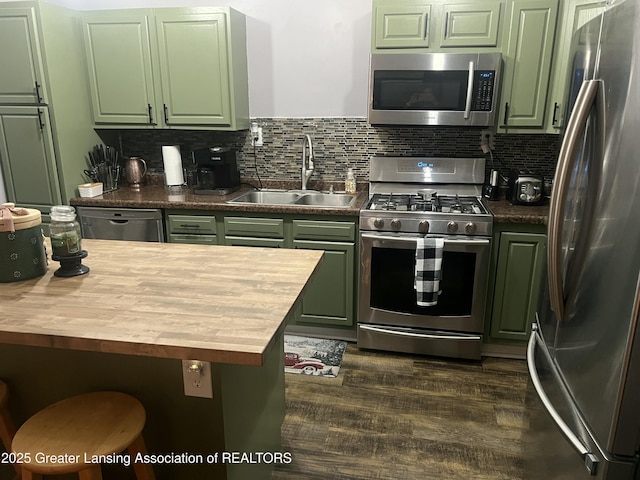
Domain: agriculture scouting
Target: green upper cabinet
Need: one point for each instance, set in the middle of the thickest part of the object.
(21, 75)
(436, 25)
(470, 24)
(46, 129)
(575, 13)
(118, 56)
(527, 62)
(182, 68)
(192, 48)
(401, 26)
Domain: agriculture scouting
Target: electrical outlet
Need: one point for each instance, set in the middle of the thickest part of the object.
(256, 135)
(196, 377)
(487, 141)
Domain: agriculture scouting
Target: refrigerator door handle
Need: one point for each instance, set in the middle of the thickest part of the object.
(568, 150)
(589, 459)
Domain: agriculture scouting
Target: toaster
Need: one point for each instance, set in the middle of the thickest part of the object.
(525, 188)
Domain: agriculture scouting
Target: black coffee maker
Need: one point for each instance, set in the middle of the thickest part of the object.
(217, 171)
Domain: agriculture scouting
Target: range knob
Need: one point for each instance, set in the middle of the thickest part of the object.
(423, 226)
(452, 227)
(470, 228)
(378, 223)
(395, 224)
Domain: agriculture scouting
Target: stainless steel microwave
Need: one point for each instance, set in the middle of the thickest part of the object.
(434, 88)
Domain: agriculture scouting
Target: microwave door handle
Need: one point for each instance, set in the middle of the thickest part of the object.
(568, 150)
(467, 107)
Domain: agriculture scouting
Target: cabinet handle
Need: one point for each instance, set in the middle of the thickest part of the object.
(426, 26)
(506, 113)
(150, 112)
(555, 112)
(166, 113)
(38, 96)
(446, 24)
(40, 119)
(190, 225)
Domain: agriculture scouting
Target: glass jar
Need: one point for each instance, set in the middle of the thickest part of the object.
(64, 231)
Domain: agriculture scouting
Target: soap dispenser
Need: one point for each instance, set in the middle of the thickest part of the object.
(350, 182)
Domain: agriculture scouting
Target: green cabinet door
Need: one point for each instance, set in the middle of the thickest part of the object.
(194, 69)
(575, 14)
(527, 62)
(518, 277)
(401, 25)
(21, 69)
(27, 157)
(473, 24)
(119, 69)
(329, 298)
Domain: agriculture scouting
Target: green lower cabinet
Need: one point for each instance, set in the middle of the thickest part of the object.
(519, 264)
(329, 299)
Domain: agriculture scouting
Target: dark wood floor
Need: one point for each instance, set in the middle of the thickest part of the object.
(398, 417)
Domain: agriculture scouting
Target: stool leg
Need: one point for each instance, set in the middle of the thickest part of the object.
(7, 431)
(143, 470)
(26, 475)
(91, 473)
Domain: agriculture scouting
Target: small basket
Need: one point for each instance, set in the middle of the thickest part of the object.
(90, 189)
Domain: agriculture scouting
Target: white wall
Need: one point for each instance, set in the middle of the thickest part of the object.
(307, 58)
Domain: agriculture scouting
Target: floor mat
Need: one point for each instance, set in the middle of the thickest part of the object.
(313, 356)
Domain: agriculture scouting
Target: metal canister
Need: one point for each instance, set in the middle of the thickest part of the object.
(22, 250)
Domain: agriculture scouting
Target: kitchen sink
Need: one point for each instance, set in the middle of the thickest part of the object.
(297, 198)
(326, 199)
(267, 198)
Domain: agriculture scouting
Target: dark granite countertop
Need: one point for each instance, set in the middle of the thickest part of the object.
(505, 212)
(158, 196)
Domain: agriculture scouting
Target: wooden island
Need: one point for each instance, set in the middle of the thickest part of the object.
(128, 324)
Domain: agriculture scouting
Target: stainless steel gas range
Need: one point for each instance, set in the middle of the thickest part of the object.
(413, 197)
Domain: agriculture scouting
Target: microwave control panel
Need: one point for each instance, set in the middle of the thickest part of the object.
(483, 90)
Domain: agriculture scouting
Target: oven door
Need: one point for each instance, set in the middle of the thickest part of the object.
(387, 293)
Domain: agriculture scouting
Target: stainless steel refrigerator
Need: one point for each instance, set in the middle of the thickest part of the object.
(584, 352)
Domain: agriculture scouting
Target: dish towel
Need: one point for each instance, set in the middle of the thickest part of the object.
(428, 270)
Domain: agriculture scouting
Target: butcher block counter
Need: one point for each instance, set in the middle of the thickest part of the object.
(128, 324)
(214, 303)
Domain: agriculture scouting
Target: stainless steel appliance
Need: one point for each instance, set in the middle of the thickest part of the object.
(525, 188)
(141, 224)
(217, 172)
(412, 197)
(434, 88)
(584, 350)
(135, 169)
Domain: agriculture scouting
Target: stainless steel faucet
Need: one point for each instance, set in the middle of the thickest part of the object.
(307, 170)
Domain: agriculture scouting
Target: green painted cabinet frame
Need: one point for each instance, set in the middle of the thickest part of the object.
(471, 24)
(44, 104)
(31, 177)
(22, 79)
(575, 13)
(167, 68)
(329, 299)
(519, 256)
(527, 62)
(436, 25)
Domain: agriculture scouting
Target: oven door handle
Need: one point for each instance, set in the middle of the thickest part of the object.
(447, 241)
(474, 338)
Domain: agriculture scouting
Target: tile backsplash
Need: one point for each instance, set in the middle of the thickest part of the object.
(339, 143)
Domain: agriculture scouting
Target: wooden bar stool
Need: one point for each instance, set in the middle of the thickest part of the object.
(7, 429)
(71, 435)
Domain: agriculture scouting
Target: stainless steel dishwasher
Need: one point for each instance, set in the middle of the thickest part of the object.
(141, 224)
